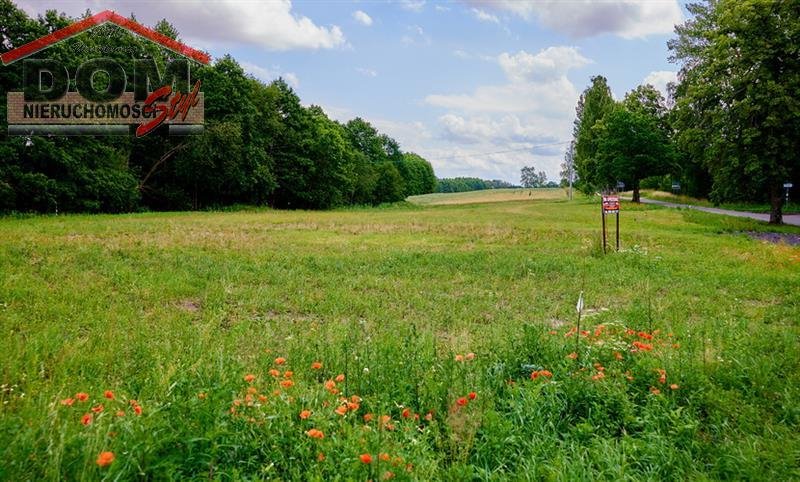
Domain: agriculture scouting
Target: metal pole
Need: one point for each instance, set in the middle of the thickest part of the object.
(603, 215)
(617, 230)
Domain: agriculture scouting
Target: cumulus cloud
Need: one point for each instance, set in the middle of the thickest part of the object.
(268, 75)
(513, 120)
(362, 18)
(587, 18)
(484, 16)
(660, 78)
(269, 25)
(549, 64)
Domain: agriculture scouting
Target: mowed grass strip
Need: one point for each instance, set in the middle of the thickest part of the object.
(173, 310)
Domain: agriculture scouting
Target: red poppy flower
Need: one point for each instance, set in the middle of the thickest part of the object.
(68, 401)
(366, 458)
(305, 414)
(86, 419)
(105, 459)
(384, 457)
(97, 408)
(280, 360)
(406, 413)
(339, 378)
(316, 365)
(314, 433)
(286, 383)
(368, 417)
(81, 397)
(461, 401)
(472, 395)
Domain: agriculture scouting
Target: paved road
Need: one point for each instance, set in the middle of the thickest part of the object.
(793, 219)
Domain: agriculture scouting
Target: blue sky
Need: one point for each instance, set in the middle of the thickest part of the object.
(474, 86)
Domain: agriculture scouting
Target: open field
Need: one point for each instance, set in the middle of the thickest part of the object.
(688, 364)
(489, 196)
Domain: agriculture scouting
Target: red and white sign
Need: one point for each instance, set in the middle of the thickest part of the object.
(611, 204)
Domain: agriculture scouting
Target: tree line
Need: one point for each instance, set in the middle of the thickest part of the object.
(464, 184)
(729, 129)
(260, 145)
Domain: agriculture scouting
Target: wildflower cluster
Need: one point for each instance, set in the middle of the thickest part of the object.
(95, 408)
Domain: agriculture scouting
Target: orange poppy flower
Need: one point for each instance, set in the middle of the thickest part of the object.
(320, 457)
(201, 395)
(642, 346)
(674, 386)
(262, 398)
(286, 383)
(86, 419)
(645, 336)
(314, 433)
(137, 409)
(618, 355)
(459, 358)
(339, 378)
(81, 397)
(288, 374)
(429, 416)
(406, 413)
(249, 378)
(385, 419)
(305, 414)
(388, 475)
(105, 459)
(598, 376)
(275, 373)
(68, 401)
(353, 406)
(546, 373)
(654, 390)
(109, 394)
(316, 365)
(120, 413)
(366, 458)
(97, 408)
(280, 360)
(341, 410)
(384, 457)
(461, 401)
(469, 356)
(572, 356)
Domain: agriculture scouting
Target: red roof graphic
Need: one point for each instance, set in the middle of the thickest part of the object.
(98, 19)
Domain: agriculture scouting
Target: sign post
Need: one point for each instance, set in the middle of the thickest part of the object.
(786, 187)
(610, 205)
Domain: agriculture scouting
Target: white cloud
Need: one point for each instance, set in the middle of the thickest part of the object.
(416, 36)
(586, 18)
(269, 25)
(660, 78)
(362, 18)
(268, 75)
(367, 72)
(484, 16)
(412, 5)
(550, 63)
(535, 107)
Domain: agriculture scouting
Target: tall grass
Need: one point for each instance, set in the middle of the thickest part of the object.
(693, 328)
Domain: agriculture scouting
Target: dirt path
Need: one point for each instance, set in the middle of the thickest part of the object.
(792, 219)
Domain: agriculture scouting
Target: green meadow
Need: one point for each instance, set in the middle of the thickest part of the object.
(428, 341)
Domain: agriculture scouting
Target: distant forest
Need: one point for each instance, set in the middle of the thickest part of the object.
(260, 145)
(463, 184)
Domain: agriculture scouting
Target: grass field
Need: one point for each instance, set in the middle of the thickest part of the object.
(415, 343)
(489, 195)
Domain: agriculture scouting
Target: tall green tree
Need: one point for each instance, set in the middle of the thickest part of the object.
(593, 104)
(630, 147)
(737, 101)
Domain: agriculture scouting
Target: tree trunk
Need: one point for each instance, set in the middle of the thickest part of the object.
(636, 197)
(776, 204)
